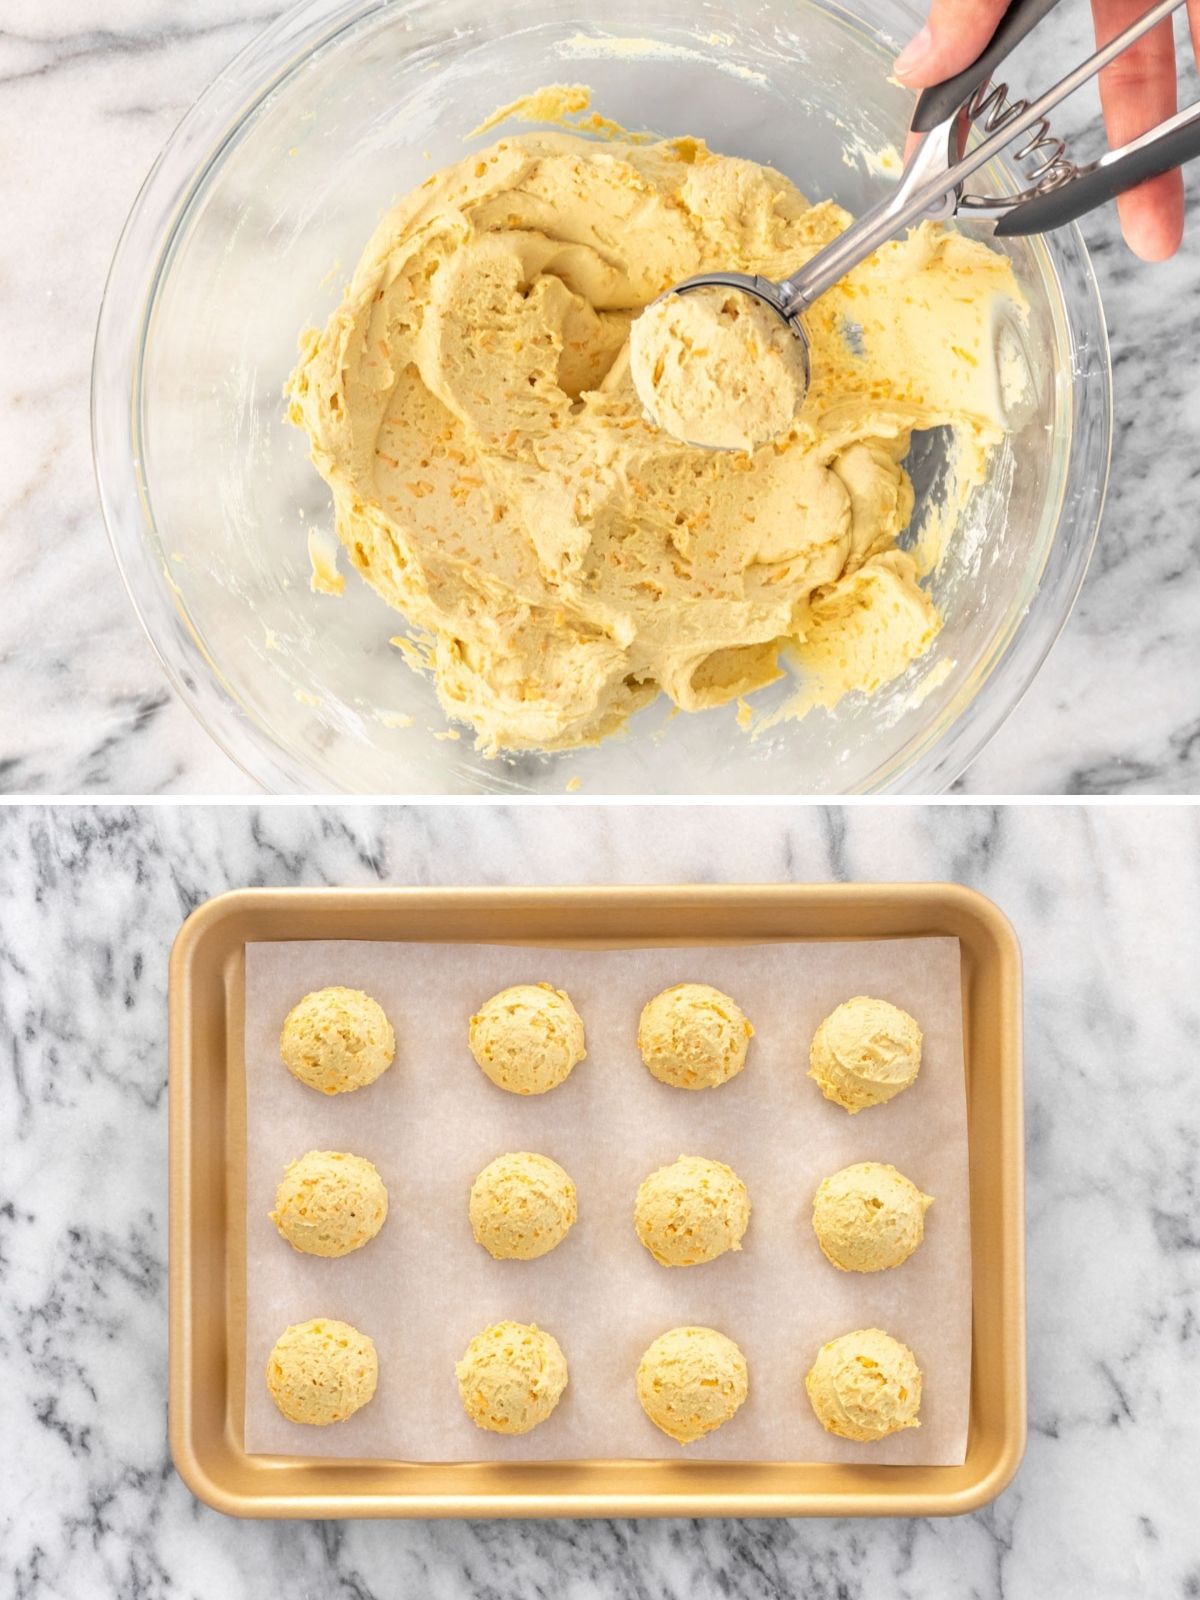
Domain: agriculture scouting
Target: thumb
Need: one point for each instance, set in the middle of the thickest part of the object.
(957, 33)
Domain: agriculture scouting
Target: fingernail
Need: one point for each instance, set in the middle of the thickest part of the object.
(914, 52)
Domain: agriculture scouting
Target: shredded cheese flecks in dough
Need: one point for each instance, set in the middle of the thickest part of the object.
(561, 559)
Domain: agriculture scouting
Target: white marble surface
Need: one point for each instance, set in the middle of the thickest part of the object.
(1107, 904)
(87, 97)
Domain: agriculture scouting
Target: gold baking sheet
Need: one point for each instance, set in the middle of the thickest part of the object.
(208, 1182)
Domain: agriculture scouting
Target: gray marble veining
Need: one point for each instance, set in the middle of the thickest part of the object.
(86, 104)
(1107, 904)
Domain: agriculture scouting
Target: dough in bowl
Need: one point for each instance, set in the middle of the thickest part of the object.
(865, 1053)
(693, 1037)
(329, 1203)
(691, 1212)
(690, 1381)
(560, 559)
(865, 1386)
(322, 1371)
(869, 1217)
(511, 1377)
(522, 1205)
(527, 1038)
(337, 1039)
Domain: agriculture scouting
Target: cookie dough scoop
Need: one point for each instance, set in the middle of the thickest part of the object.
(691, 1212)
(330, 1203)
(322, 1371)
(336, 1040)
(869, 1217)
(522, 1206)
(864, 1386)
(511, 1377)
(692, 1036)
(690, 1381)
(722, 359)
(528, 1038)
(865, 1053)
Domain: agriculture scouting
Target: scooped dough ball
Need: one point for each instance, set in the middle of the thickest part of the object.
(868, 1217)
(693, 1037)
(521, 1206)
(690, 1381)
(865, 1385)
(865, 1052)
(717, 367)
(329, 1203)
(528, 1038)
(322, 1371)
(337, 1039)
(691, 1211)
(511, 1377)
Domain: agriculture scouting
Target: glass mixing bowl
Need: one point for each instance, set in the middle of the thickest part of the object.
(257, 211)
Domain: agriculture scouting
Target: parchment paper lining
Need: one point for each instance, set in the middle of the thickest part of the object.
(423, 1287)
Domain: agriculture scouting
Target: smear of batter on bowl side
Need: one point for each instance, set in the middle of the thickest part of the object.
(563, 560)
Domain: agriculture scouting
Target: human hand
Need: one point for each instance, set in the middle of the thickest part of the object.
(1137, 91)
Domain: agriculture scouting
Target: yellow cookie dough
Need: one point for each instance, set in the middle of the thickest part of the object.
(692, 1211)
(336, 1040)
(717, 367)
(693, 1037)
(322, 1371)
(868, 1217)
(690, 1381)
(865, 1386)
(521, 1206)
(511, 1377)
(527, 1038)
(865, 1052)
(559, 559)
(871, 625)
(329, 1203)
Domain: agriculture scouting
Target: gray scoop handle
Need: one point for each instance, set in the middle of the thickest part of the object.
(1106, 180)
(944, 99)
(1170, 145)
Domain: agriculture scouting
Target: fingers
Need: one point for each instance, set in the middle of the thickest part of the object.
(956, 33)
(1137, 91)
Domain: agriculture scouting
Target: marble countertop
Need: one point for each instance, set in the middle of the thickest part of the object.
(84, 108)
(1107, 905)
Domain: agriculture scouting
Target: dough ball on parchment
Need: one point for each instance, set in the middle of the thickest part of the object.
(511, 1377)
(865, 1386)
(865, 1052)
(322, 1371)
(329, 1203)
(690, 1381)
(521, 1206)
(527, 1038)
(692, 1211)
(693, 1037)
(868, 1217)
(337, 1039)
